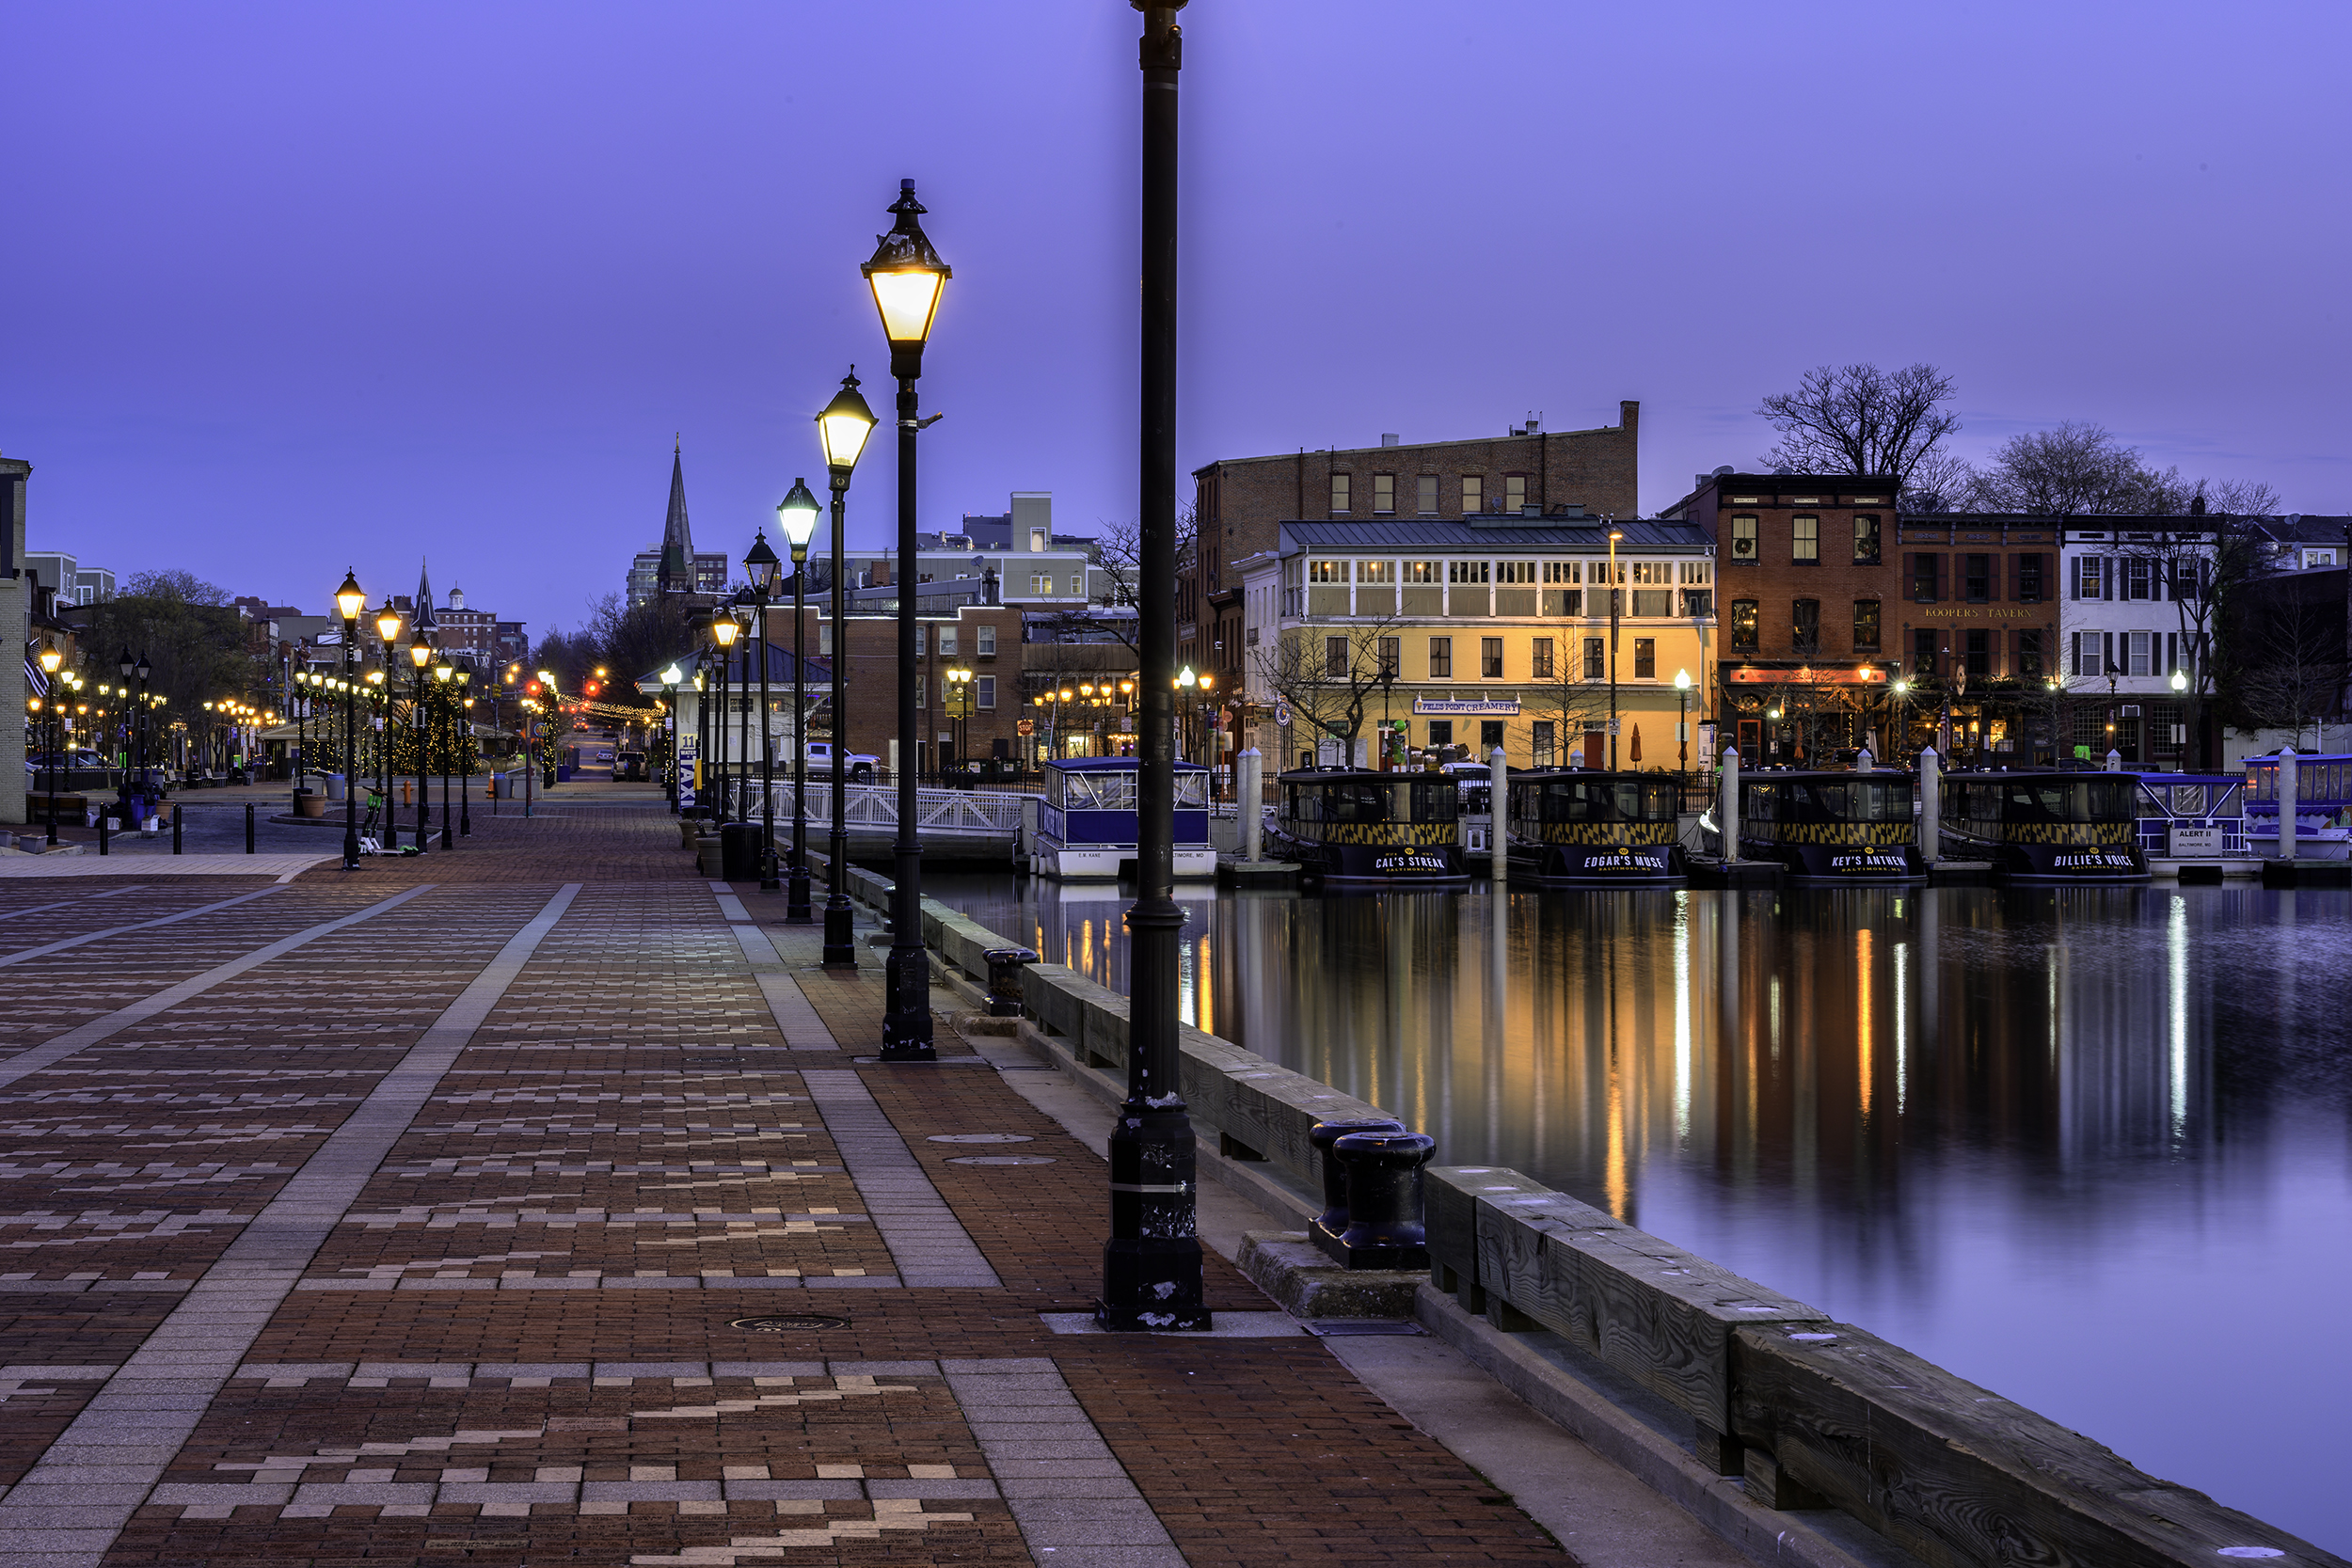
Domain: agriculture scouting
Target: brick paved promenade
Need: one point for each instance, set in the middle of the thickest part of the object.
(411, 1215)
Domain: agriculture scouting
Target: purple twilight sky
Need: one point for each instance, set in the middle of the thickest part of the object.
(296, 288)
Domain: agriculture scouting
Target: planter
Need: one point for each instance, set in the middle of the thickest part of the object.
(706, 855)
(309, 802)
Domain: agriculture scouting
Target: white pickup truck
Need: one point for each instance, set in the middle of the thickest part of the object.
(861, 767)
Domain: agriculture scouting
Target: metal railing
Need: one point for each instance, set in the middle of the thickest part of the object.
(966, 810)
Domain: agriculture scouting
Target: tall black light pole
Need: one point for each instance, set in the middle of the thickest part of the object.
(764, 572)
(350, 600)
(146, 714)
(387, 628)
(442, 671)
(671, 676)
(907, 278)
(842, 429)
(1152, 1263)
(742, 611)
(52, 661)
(419, 655)
(797, 515)
(464, 711)
(725, 629)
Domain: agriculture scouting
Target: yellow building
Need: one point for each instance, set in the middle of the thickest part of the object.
(1495, 631)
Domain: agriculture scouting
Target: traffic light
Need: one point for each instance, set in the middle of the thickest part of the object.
(594, 687)
(531, 689)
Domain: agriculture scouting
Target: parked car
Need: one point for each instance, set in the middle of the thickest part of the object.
(861, 767)
(628, 766)
(80, 757)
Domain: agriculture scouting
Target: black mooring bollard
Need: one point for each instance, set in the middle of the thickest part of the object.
(1004, 979)
(248, 827)
(101, 832)
(1384, 1200)
(1324, 1232)
(176, 816)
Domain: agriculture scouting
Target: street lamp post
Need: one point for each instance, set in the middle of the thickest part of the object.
(419, 655)
(907, 278)
(1682, 725)
(1151, 1276)
(760, 565)
(464, 714)
(350, 600)
(51, 659)
(841, 429)
(725, 629)
(671, 676)
(442, 671)
(798, 515)
(2180, 686)
(387, 628)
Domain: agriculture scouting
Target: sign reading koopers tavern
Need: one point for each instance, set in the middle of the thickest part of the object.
(1805, 675)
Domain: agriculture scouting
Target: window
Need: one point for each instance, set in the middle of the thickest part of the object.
(918, 690)
(1392, 657)
(922, 636)
(1515, 571)
(1339, 492)
(1923, 660)
(1077, 583)
(1977, 578)
(984, 693)
(2089, 576)
(1037, 541)
(2088, 656)
(1645, 658)
(1980, 653)
(824, 640)
(1491, 658)
(1743, 625)
(1866, 626)
(1384, 494)
(986, 637)
(947, 642)
(1866, 540)
(2029, 578)
(1335, 659)
(1804, 540)
(1653, 601)
(1466, 571)
(1805, 631)
(1441, 658)
(2141, 659)
(1539, 659)
(1698, 603)
(1326, 571)
(1427, 501)
(1441, 731)
(1489, 733)
(2029, 655)
(2140, 579)
(1540, 733)
(1422, 571)
(1562, 572)
(1515, 492)
(2319, 558)
(1653, 571)
(1473, 493)
(1927, 577)
(1744, 540)
(1375, 571)
(1596, 660)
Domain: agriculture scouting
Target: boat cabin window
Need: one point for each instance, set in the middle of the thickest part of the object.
(1375, 799)
(2052, 799)
(1604, 801)
(1095, 791)
(1192, 789)
(1858, 800)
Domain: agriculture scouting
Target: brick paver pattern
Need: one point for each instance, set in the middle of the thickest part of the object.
(530, 1203)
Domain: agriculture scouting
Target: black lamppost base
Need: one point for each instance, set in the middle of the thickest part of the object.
(840, 934)
(796, 905)
(907, 1025)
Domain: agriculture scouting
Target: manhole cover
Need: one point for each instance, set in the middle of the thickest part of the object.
(789, 1323)
(1001, 1160)
(982, 1138)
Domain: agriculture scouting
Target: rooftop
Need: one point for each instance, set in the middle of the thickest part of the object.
(1557, 534)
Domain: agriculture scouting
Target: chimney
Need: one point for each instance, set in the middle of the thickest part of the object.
(1388, 439)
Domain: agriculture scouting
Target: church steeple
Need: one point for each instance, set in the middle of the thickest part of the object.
(425, 620)
(676, 572)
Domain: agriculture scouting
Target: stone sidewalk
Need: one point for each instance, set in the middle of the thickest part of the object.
(456, 1212)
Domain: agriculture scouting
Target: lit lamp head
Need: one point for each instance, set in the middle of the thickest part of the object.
(907, 278)
(420, 654)
(724, 628)
(671, 676)
(128, 663)
(841, 430)
(1682, 680)
(145, 668)
(2180, 680)
(49, 657)
(387, 622)
(444, 669)
(351, 598)
(1185, 678)
(1207, 681)
(797, 515)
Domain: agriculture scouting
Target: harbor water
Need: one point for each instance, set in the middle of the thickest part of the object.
(2089, 1148)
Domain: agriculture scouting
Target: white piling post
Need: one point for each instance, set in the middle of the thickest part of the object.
(2115, 760)
(1863, 762)
(2289, 792)
(1930, 805)
(1498, 809)
(1249, 802)
(1727, 805)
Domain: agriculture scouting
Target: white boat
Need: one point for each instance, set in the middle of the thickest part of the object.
(1085, 824)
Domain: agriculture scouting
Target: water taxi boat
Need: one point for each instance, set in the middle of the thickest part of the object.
(2322, 806)
(1832, 826)
(1085, 823)
(1355, 826)
(2045, 827)
(1570, 827)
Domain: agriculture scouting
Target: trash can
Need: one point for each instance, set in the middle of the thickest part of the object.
(739, 851)
(335, 786)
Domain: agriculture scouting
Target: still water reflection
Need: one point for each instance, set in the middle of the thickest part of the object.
(2087, 1147)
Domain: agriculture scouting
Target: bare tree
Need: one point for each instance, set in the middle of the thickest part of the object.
(1119, 557)
(1860, 420)
(1941, 481)
(1330, 675)
(2076, 469)
(1575, 696)
(2294, 670)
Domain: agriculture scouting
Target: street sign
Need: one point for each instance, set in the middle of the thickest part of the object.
(1026, 726)
(1282, 715)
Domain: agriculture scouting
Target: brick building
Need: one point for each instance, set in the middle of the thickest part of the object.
(1240, 504)
(982, 639)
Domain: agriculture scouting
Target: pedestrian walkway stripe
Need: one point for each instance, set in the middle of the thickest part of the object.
(1066, 1489)
(802, 1028)
(75, 1499)
(69, 903)
(926, 1240)
(55, 1049)
(61, 945)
